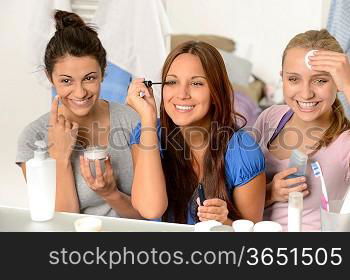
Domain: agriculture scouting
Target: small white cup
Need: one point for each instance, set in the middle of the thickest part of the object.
(243, 225)
(267, 226)
(88, 224)
(206, 226)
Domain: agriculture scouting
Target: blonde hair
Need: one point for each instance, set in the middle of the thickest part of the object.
(322, 39)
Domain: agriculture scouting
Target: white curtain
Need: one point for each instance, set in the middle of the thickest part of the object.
(40, 28)
(339, 23)
(135, 35)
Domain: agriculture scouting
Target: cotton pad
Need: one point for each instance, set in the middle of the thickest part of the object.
(306, 59)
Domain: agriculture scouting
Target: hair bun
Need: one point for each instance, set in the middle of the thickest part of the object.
(66, 19)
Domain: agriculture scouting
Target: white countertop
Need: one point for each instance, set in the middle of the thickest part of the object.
(18, 219)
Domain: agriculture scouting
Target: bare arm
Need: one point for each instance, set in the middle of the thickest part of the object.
(149, 194)
(250, 198)
(62, 135)
(105, 185)
(121, 203)
(66, 194)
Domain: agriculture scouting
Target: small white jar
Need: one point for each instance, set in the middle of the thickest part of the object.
(88, 224)
(96, 152)
(242, 225)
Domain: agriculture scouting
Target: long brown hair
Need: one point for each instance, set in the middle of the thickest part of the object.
(181, 179)
(323, 40)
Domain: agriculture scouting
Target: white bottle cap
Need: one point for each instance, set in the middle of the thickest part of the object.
(295, 200)
(95, 152)
(298, 159)
(41, 150)
(299, 156)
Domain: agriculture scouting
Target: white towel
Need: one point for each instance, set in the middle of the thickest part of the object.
(134, 34)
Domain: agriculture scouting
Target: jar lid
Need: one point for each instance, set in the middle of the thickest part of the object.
(95, 152)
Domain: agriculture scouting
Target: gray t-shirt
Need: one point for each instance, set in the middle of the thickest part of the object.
(123, 120)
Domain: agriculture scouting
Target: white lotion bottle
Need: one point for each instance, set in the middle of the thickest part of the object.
(41, 182)
(295, 211)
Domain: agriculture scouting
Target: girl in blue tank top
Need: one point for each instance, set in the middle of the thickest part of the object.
(195, 141)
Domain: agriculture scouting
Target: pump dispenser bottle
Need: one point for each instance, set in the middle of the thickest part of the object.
(41, 182)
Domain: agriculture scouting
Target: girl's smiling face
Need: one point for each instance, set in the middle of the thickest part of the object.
(77, 81)
(186, 93)
(310, 94)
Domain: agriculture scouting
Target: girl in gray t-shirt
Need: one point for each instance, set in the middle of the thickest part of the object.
(75, 62)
